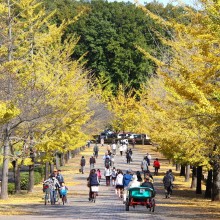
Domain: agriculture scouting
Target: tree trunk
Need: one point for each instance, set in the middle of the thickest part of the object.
(194, 178)
(216, 180)
(57, 161)
(177, 167)
(66, 157)
(187, 173)
(199, 180)
(208, 191)
(47, 172)
(4, 186)
(17, 177)
(51, 168)
(182, 170)
(62, 162)
(31, 178)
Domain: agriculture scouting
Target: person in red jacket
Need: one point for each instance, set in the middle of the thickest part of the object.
(156, 166)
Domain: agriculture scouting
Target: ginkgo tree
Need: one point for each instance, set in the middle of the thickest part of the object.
(48, 89)
(124, 107)
(182, 110)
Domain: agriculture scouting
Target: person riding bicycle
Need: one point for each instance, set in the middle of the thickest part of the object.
(53, 185)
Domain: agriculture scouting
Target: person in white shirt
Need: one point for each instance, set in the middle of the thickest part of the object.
(114, 148)
(119, 186)
(134, 182)
(107, 174)
(121, 149)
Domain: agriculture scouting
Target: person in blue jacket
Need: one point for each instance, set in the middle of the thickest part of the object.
(126, 180)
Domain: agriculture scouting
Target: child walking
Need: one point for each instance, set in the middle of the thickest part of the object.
(99, 174)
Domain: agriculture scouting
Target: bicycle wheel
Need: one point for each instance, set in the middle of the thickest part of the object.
(57, 196)
(45, 199)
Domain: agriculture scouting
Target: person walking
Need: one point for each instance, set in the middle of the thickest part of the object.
(156, 166)
(99, 174)
(92, 162)
(167, 182)
(114, 146)
(96, 151)
(93, 183)
(148, 158)
(126, 180)
(144, 166)
(102, 142)
(83, 164)
(60, 179)
(139, 178)
(131, 153)
(148, 173)
(121, 149)
(53, 185)
(172, 180)
(119, 184)
(114, 175)
(107, 174)
(128, 156)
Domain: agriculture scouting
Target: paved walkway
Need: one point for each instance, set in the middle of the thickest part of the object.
(108, 205)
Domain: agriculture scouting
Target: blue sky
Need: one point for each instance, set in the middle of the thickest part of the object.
(188, 2)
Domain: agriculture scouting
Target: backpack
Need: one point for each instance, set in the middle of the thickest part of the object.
(167, 181)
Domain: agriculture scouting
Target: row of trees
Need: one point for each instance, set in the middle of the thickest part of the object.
(46, 101)
(180, 106)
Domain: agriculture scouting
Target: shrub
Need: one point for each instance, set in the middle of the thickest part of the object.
(40, 169)
(11, 188)
(37, 178)
(25, 179)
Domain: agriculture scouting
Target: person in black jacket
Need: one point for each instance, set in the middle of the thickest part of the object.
(82, 164)
(147, 183)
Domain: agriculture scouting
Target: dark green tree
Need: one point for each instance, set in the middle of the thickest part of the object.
(109, 33)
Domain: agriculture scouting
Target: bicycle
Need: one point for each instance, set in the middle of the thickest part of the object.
(46, 189)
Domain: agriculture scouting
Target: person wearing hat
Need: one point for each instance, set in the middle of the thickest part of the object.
(147, 183)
